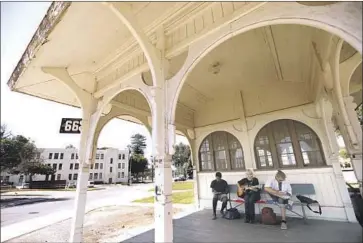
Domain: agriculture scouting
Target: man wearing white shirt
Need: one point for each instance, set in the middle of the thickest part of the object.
(280, 191)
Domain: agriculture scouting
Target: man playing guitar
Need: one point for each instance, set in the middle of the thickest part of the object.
(249, 190)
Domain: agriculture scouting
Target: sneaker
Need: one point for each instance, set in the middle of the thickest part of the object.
(214, 217)
(283, 226)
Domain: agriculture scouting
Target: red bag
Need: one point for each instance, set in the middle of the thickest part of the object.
(268, 216)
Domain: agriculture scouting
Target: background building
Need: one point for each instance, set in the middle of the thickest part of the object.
(111, 166)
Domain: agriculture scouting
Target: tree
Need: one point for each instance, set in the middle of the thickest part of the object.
(138, 143)
(181, 157)
(70, 146)
(138, 165)
(14, 150)
(19, 155)
(4, 132)
(343, 153)
(138, 162)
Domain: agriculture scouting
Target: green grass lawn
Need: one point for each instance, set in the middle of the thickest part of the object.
(177, 197)
(180, 185)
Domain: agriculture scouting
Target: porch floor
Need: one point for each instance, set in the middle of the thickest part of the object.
(198, 227)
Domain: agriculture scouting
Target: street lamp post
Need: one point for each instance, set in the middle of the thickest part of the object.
(130, 165)
(152, 169)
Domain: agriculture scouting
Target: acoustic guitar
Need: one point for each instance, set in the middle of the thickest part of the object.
(241, 190)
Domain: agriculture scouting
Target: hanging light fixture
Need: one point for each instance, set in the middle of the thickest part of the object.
(215, 68)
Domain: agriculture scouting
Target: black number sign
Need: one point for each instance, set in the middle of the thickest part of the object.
(71, 125)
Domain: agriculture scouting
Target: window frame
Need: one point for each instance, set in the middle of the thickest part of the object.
(295, 141)
(226, 139)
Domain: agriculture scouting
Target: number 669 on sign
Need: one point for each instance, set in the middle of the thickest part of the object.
(71, 125)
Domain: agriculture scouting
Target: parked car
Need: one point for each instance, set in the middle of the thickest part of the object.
(91, 184)
(71, 185)
(180, 178)
(23, 186)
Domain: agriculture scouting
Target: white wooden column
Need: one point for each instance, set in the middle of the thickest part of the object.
(86, 150)
(326, 112)
(355, 151)
(163, 173)
(194, 155)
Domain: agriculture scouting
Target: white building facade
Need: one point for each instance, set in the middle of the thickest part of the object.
(111, 166)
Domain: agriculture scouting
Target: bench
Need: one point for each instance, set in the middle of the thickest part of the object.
(297, 189)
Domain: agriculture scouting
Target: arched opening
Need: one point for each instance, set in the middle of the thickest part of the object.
(229, 81)
(287, 144)
(132, 110)
(355, 85)
(221, 151)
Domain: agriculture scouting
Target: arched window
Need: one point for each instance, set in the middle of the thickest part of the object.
(286, 144)
(221, 151)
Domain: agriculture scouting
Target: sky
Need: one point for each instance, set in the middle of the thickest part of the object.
(36, 118)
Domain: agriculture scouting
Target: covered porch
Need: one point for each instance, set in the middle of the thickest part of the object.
(198, 227)
(259, 85)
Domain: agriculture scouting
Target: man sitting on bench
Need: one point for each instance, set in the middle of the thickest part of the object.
(250, 191)
(220, 192)
(280, 191)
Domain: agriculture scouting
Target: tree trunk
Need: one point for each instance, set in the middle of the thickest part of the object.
(152, 174)
(30, 181)
(47, 177)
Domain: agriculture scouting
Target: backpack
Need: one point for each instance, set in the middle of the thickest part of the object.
(268, 216)
(232, 213)
(308, 202)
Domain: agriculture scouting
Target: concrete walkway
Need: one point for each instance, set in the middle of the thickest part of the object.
(198, 227)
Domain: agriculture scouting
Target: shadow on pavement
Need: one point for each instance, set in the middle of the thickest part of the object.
(18, 201)
(198, 227)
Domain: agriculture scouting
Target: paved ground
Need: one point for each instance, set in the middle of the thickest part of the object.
(64, 200)
(20, 220)
(105, 224)
(199, 227)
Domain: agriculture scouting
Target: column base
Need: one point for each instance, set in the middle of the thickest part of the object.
(76, 232)
(163, 200)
